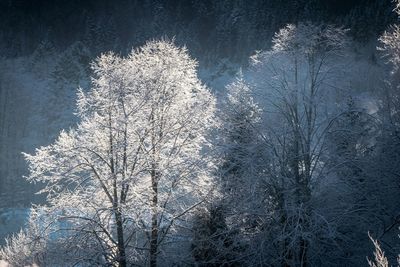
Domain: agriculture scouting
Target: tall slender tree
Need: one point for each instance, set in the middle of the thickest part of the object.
(292, 80)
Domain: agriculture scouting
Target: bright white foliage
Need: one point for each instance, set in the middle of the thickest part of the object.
(391, 46)
(27, 247)
(380, 259)
(146, 112)
(390, 42)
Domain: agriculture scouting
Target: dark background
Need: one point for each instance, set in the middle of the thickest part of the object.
(211, 29)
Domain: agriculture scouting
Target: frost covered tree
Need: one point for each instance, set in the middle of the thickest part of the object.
(27, 247)
(238, 140)
(390, 48)
(293, 83)
(384, 165)
(132, 170)
(389, 42)
(216, 241)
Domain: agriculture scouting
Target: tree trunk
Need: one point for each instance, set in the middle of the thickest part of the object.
(120, 235)
(154, 222)
(121, 258)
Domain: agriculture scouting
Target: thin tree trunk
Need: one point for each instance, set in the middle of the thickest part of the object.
(154, 201)
(120, 236)
(154, 222)
(121, 258)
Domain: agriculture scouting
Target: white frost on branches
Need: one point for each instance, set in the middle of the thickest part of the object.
(133, 168)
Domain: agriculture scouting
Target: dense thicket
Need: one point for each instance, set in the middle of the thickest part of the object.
(211, 29)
